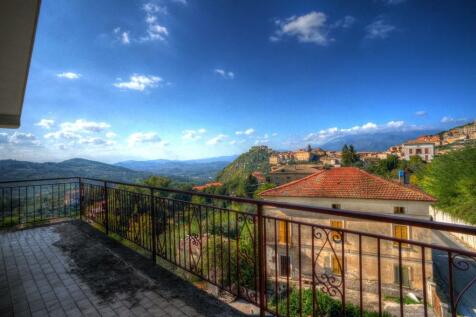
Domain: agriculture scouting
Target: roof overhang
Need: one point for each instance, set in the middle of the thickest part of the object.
(18, 20)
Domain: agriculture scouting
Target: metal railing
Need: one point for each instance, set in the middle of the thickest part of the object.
(288, 259)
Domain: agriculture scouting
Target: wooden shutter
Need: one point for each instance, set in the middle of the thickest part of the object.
(282, 232)
(336, 265)
(339, 224)
(284, 265)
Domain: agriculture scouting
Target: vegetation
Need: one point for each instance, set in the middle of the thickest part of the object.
(325, 306)
(389, 167)
(22, 170)
(451, 178)
(256, 159)
(349, 155)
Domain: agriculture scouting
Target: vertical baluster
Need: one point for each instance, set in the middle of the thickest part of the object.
(379, 279)
(261, 259)
(300, 269)
(423, 281)
(276, 256)
(400, 275)
(360, 277)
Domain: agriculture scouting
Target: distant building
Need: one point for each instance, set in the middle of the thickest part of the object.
(288, 173)
(424, 150)
(435, 139)
(302, 156)
(281, 158)
(205, 186)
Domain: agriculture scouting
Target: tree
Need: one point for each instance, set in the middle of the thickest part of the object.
(451, 178)
(349, 156)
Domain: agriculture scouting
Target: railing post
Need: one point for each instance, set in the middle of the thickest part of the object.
(81, 194)
(106, 207)
(261, 260)
(153, 223)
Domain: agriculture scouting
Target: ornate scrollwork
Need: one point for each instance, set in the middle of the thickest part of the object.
(462, 263)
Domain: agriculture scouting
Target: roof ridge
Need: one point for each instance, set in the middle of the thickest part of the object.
(293, 182)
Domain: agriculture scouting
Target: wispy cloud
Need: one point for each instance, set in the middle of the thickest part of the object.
(393, 2)
(223, 73)
(69, 75)
(193, 134)
(248, 131)
(144, 137)
(139, 82)
(369, 127)
(22, 138)
(312, 27)
(451, 119)
(421, 113)
(217, 139)
(154, 31)
(379, 29)
(45, 123)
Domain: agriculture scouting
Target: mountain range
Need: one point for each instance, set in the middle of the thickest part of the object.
(372, 142)
(199, 170)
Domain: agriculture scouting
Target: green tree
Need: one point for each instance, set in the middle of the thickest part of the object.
(349, 155)
(451, 178)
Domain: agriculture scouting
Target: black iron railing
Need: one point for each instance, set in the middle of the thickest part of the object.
(288, 259)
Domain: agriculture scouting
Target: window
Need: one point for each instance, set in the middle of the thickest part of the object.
(427, 151)
(285, 265)
(401, 232)
(398, 210)
(405, 275)
(336, 206)
(418, 151)
(282, 232)
(410, 151)
(339, 224)
(336, 265)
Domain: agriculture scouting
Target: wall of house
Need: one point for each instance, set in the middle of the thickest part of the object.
(330, 244)
(441, 216)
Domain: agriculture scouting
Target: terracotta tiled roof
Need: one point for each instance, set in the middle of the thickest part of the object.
(347, 182)
(205, 186)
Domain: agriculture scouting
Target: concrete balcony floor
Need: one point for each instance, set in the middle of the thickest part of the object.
(70, 269)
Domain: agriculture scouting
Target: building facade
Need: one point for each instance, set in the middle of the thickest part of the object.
(424, 150)
(348, 188)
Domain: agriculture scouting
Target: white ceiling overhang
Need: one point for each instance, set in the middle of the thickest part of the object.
(18, 20)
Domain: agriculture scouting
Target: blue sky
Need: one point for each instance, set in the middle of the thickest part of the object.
(112, 80)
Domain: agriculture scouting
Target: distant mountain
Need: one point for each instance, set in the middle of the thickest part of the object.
(23, 170)
(256, 159)
(200, 170)
(375, 141)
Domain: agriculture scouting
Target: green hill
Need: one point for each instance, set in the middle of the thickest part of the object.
(23, 170)
(256, 159)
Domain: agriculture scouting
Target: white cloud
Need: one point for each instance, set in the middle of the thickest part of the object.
(125, 38)
(274, 134)
(312, 27)
(345, 23)
(62, 135)
(69, 75)
(421, 113)
(249, 131)
(193, 134)
(144, 137)
(139, 82)
(395, 124)
(223, 73)
(96, 141)
(184, 2)
(308, 28)
(21, 138)
(369, 127)
(450, 119)
(217, 139)
(111, 135)
(154, 31)
(152, 8)
(45, 123)
(82, 125)
(379, 29)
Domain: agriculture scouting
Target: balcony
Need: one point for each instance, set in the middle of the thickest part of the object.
(115, 253)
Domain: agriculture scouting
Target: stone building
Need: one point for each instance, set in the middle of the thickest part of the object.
(423, 149)
(348, 188)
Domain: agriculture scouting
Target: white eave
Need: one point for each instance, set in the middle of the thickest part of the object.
(18, 20)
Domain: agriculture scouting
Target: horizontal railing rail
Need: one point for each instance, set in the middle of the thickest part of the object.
(324, 262)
